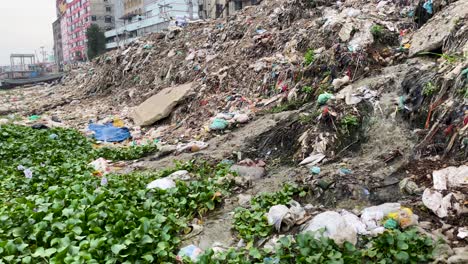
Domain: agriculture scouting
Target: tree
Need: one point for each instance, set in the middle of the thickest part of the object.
(96, 41)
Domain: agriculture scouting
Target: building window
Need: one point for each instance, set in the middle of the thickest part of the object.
(93, 18)
(108, 19)
(237, 5)
(108, 9)
(219, 10)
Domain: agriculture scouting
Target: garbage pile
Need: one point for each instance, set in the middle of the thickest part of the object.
(259, 57)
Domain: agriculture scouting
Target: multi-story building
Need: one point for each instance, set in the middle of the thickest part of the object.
(75, 17)
(139, 17)
(222, 8)
(58, 50)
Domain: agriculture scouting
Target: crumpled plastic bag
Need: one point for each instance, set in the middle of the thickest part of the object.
(354, 221)
(192, 251)
(193, 146)
(323, 98)
(283, 218)
(404, 217)
(101, 166)
(438, 203)
(373, 216)
(219, 124)
(241, 118)
(163, 184)
(335, 225)
(450, 177)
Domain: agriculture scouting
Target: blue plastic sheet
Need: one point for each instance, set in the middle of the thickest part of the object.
(428, 6)
(109, 133)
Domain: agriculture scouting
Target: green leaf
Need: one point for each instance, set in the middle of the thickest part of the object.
(255, 253)
(402, 256)
(148, 258)
(402, 245)
(117, 248)
(146, 239)
(77, 230)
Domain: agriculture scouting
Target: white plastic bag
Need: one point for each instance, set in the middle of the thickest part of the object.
(163, 183)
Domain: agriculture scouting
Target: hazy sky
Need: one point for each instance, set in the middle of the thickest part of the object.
(25, 26)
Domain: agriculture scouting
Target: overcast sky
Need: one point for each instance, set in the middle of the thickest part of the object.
(25, 26)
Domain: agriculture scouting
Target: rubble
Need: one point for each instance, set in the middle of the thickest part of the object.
(160, 105)
(432, 35)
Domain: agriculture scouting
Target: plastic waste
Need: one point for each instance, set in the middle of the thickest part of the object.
(53, 136)
(34, 118)
(225, 116)
(428, 6)
(404, 217)
(182, 175)
(283, 218)
(391, 224)
(323, 98)
(315, 170)
(354, 221)
(276, 215)
(101, 166)
(241, 118)
(192, 252)
(335, 226)
(450, 177)
(337, 83)
(193, 146)
(343, 171)
(118, 122)
(438, 203)
(313, 159)
(163, 184)
(373, 216)
(219, 124)
(109, 133)
(409, 186)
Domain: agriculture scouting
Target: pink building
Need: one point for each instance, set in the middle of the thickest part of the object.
(75, 18)
(78, 20)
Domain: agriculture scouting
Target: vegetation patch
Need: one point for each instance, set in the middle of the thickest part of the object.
(393, 246)
(53, 210)
(252, 224)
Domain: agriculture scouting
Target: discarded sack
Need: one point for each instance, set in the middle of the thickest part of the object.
(335, 226)
(109, 133)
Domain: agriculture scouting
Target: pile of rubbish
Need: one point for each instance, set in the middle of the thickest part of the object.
(259, 57)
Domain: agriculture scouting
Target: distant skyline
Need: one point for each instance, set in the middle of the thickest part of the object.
(25, 26)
